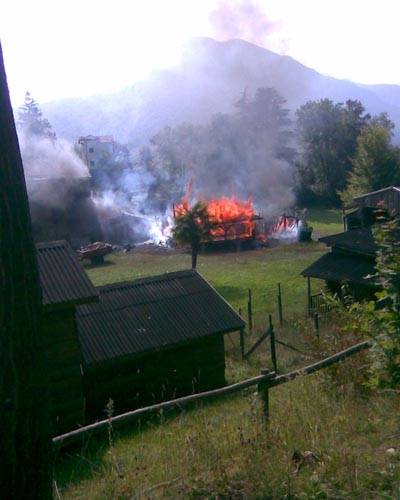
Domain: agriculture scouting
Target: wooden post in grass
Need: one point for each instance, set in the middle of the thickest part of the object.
(309, 295)
(316, 324)
(272, 344)
(242, 342)
(263, 392)
(280, 305)
(250, 313)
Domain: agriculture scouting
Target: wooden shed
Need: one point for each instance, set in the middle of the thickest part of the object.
(64, 285)
(350, 262)
(153, 339)
(369, 207)
(387, 198)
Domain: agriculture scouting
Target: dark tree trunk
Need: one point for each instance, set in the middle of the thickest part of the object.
(25, 470)
(195, 252)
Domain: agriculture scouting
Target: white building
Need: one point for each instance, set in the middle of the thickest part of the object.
(95, 148)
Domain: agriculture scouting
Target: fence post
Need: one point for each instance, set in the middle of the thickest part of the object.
(316, 324)
(309, 295)
(242, 342)
(272, 344)
(280, 305)
(250, 312)
(263, 392)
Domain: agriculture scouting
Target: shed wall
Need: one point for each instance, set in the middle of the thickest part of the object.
(389, 199)
(154, 377)
(64, 362)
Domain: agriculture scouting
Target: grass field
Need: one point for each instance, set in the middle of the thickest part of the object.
(325, 221)
(234, 273)
(231, 273)
(223, 450)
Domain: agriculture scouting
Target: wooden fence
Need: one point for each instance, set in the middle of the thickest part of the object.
(264, 382)
(318, 304)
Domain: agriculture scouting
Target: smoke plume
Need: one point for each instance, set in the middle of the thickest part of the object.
(44, 160)
(58, 185)
(244, 19)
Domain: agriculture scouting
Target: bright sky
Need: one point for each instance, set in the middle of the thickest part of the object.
(62, 48)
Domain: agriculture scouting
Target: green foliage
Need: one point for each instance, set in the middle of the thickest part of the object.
(386, 319)
(31, 121)
(328, 135)
(376, 163)
(380, 319)
(191, 227)
(348, 324)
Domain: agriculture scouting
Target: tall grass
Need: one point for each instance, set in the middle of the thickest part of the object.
(224, 450)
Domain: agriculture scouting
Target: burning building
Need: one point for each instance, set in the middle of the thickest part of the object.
(236, 221)
(233, 220)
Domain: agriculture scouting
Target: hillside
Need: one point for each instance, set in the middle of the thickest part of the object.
(209, 78)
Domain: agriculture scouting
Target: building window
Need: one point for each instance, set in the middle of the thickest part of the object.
(91, 163)
(91, 150)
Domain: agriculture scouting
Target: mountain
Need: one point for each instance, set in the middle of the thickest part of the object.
(209, 79)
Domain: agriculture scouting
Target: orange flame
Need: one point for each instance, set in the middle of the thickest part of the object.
(233, 218)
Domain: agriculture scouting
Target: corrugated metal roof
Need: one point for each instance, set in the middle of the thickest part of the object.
(379, 191)
(345, 268)
(152, 313)
(62, 278)
(360, 241)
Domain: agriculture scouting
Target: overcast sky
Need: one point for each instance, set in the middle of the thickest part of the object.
(63, 48)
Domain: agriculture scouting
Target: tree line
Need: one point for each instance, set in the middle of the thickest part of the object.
(326, 152)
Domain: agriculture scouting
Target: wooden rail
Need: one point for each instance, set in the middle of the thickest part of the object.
(265, 381)
(323, 363)
(257, 344)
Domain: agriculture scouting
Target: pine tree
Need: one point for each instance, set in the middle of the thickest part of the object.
(31, 121)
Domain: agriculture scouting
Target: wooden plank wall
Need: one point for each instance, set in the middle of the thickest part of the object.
(64, 361)
(157, 376)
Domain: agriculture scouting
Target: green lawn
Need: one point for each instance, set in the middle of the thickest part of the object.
(234, 273)
(325, 221)
(231, 273)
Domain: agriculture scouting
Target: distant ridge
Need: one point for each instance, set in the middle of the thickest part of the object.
(209, 79)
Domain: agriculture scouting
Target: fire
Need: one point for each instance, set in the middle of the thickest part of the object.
(287, 227)
(234, 219)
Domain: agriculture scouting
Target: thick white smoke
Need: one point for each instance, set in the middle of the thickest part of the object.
(46, 158)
